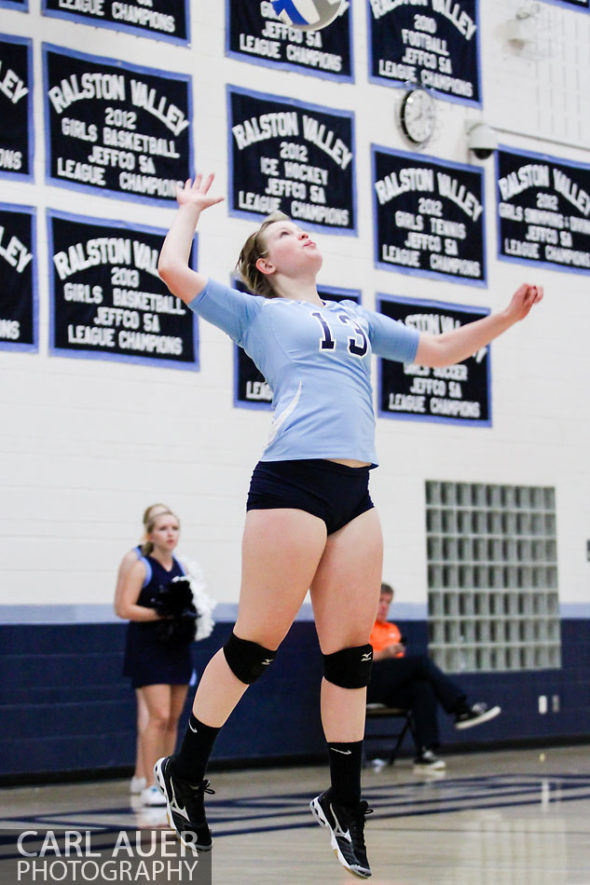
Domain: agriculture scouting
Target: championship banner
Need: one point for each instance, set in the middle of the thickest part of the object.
(429, 43)
(543, 210)
(21, 5)
(429, 217)
(117, 129)
(578, 4)
(160, 19)
(18, 279)
(16, 107)
(457, 394)
(293, 157)
(250, 386)
(256, 34)
(107, 299)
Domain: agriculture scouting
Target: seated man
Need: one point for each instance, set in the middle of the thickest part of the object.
(415, 683)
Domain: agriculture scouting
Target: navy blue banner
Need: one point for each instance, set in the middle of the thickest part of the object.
(20, 5)
(255, 34)
(251, 389)
(458, 394)
(18, 279)
(429, 217)
(578, 4)
(543, 210)
(293, 157)
(16, 107)
(430, 43)
(115, 128)
(107, 298)
(161, 19)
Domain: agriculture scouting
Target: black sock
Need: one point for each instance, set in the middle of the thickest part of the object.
(191, 760)
(345, 771)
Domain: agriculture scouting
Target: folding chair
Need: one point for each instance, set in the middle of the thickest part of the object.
(397, 732)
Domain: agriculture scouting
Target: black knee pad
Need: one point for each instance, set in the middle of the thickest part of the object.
(350, 667)
(247, 660)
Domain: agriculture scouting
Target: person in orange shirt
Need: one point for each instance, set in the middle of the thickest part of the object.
(414, 682)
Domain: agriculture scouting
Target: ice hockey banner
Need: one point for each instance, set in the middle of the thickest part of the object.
(116, 128)
(107, 299)
(458, 394)
(543, 210)
(429, 217)
(255, 34)
(429, 43)
(16, 104)
(251, 389)
(161, 19)
(294, 157)
(18, 279)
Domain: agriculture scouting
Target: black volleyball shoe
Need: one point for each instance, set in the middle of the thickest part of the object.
(186, 808)
(346, 827)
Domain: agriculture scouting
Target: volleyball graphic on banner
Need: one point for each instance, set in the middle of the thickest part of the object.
(308, 15)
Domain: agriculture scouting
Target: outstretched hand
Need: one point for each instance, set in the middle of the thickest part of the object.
(523, 300)
(196, 193)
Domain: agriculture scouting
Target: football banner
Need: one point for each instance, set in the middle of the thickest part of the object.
(107, 299)
(16, 108)
(543, 210)
(160, 19)
(251, 389)
(18, 279)
(116, 128)
(458, 394)
(256, 34)
(429, 43)
(293, 157)
(429, 216)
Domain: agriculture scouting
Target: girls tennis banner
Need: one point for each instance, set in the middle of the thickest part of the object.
(16, 91)
(255, 34)
(251, 389)
(543, 210)
(107, 299)
(18, 279)
(429, 216)
(161, 19)
(457, 394)
(116, 128)
(293, 157)
(430, 43)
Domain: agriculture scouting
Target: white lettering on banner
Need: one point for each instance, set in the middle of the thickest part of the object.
(255, 203)
(410, 179)
(99, 250)
(406, 402)
(147, 18)
(84, 172)
(317, 133)
(313, 58)
(445, 83)
(380, 8)
(461, 19)
(146, 258)
(12, 86)
(571, 191)
(522, 250)
(320, 214)
(146, 97)
(9, 330)
(147, 301)
(258, 390)
(433, 323)
(94, 7)
(579, 225)
(104, 87)
(148, 184)
(135, 141)
(451, 189)
(567, 256)
(281, 124)
(260, 46)
(15, 253)
(397, 71)
(455, 408)
(12, 160)
(457, 266)
(530, 175)
(301, 172)
(83, 293)
(418, 40)
(146, 343)
(91, 335)
(395, 255)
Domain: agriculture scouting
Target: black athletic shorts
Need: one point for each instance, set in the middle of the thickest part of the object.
(333, 492)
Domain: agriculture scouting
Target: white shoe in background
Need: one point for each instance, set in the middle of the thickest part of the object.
(136, 785)
(152, 796)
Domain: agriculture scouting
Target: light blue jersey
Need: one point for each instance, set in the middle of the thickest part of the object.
(316, 360)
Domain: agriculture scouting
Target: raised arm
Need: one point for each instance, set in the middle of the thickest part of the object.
(455, 346)
(173, 266)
